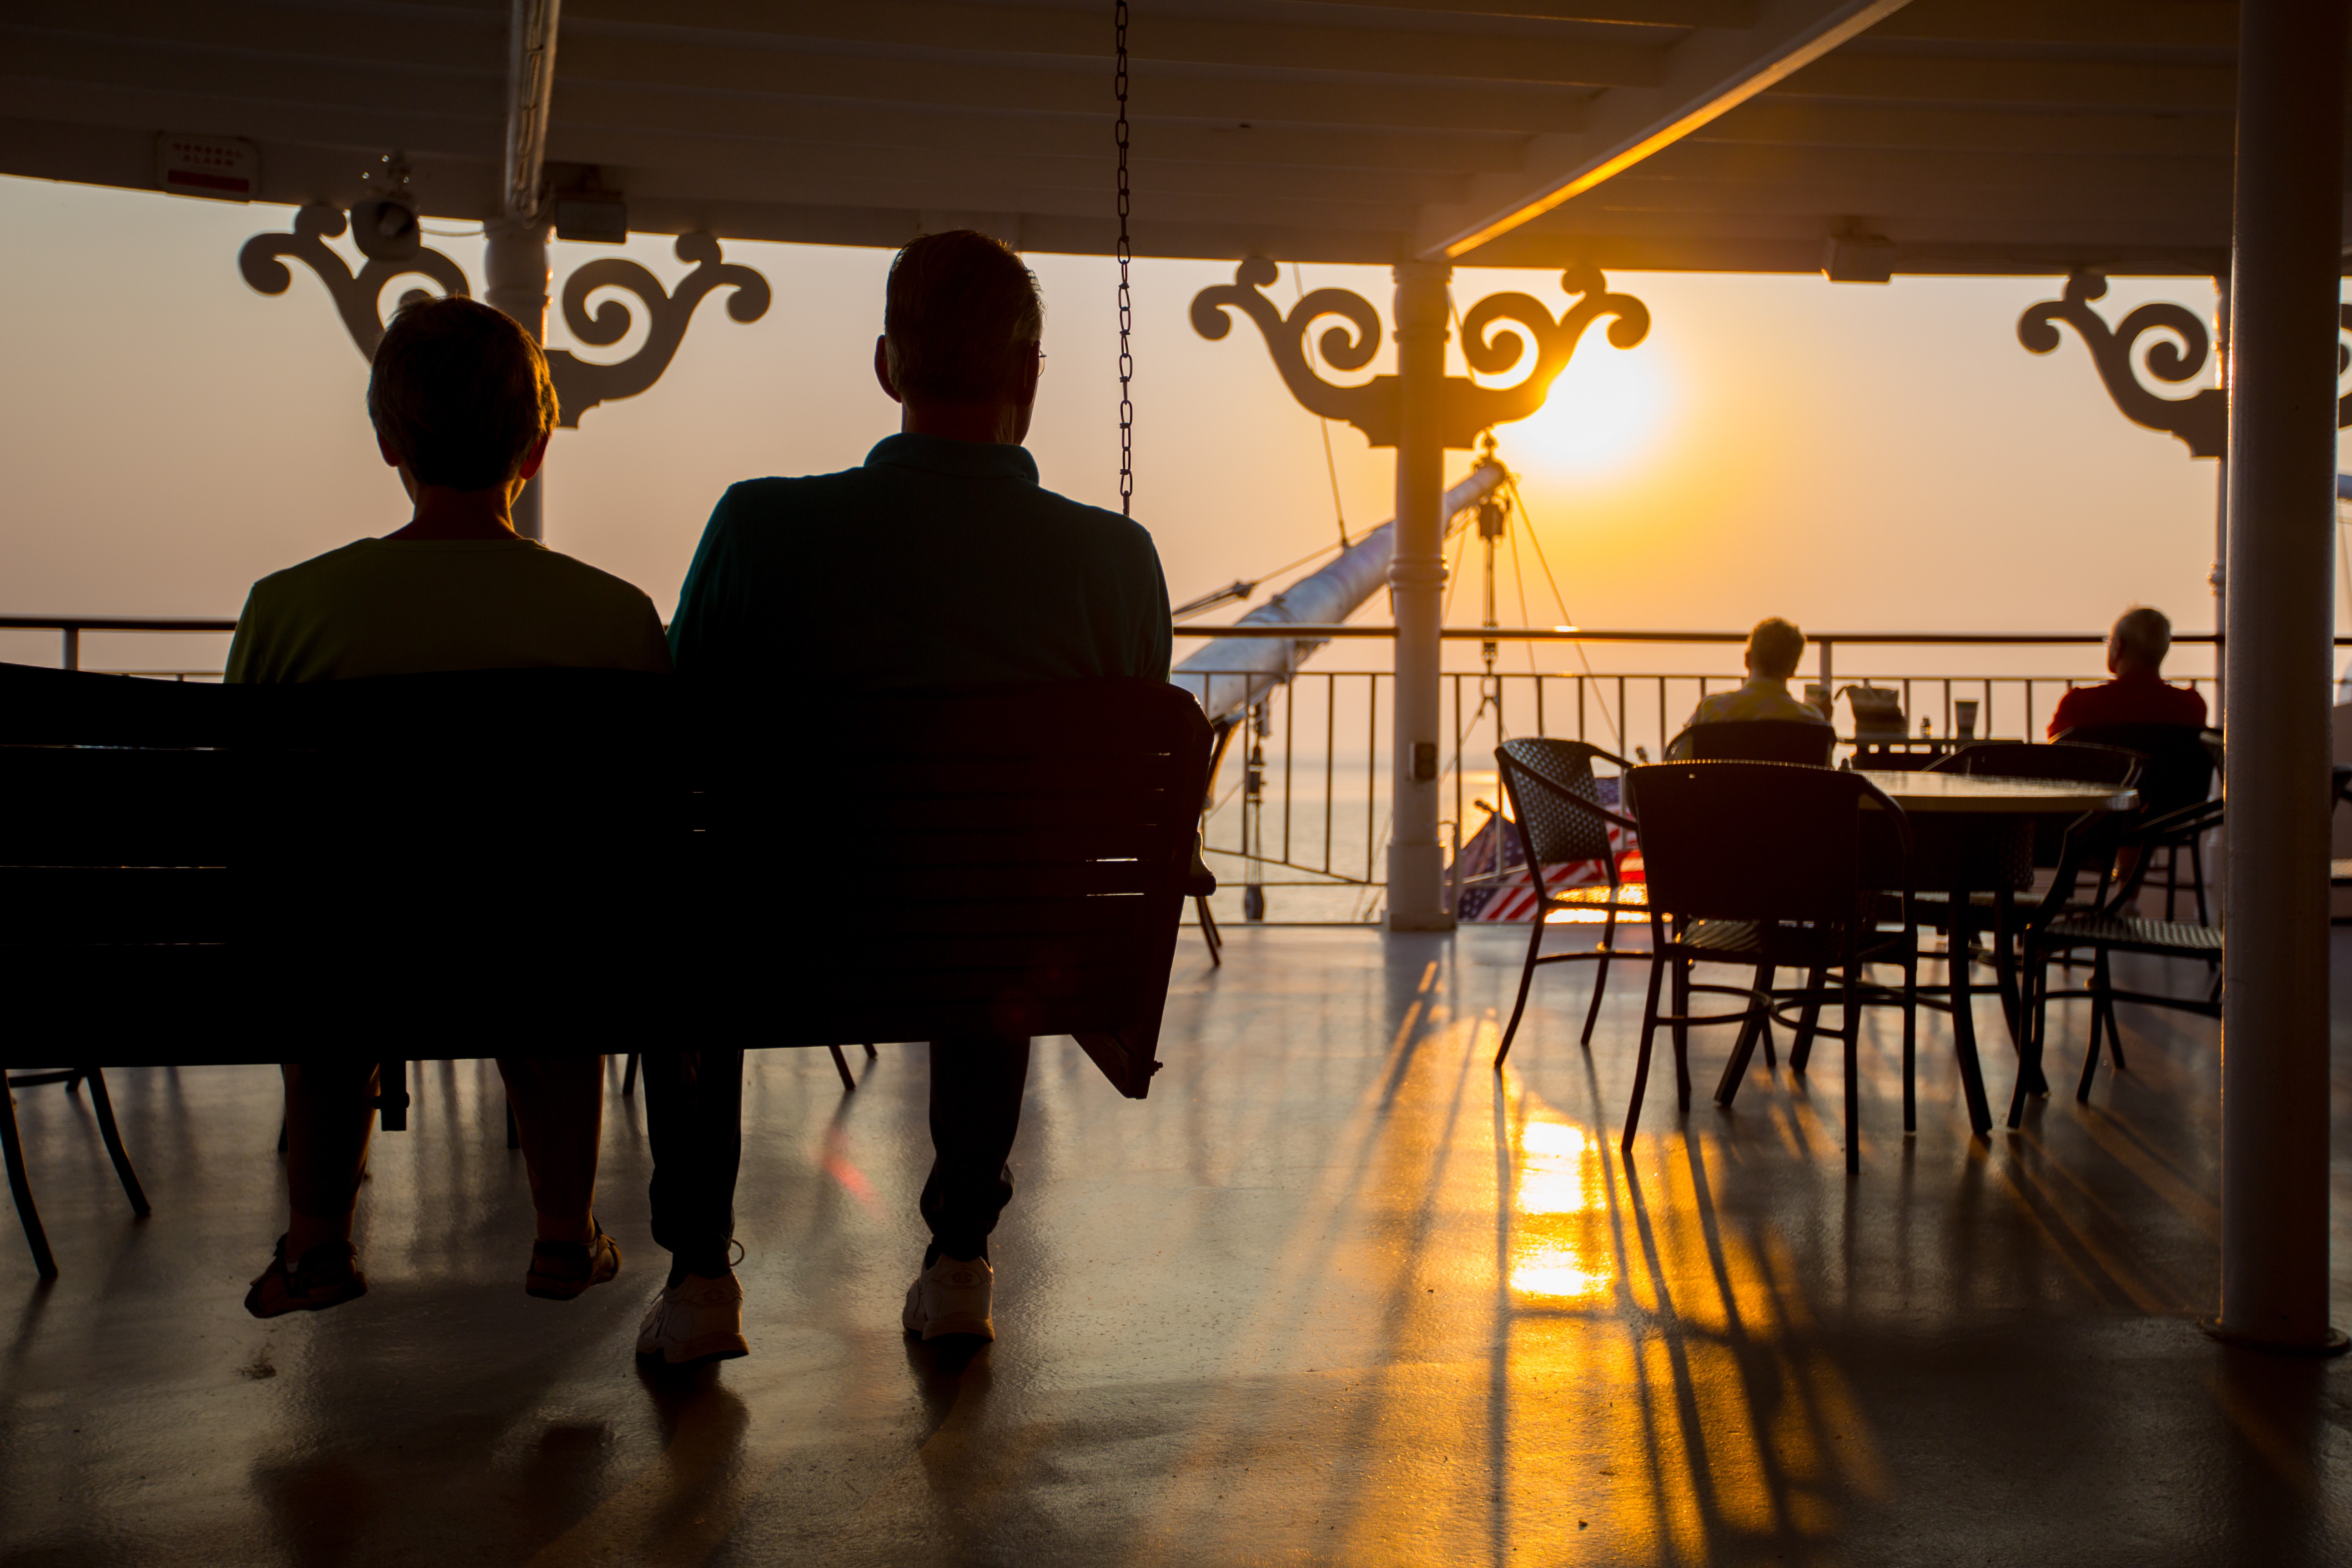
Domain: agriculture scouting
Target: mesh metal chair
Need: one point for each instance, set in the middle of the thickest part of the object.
(1557, 812)
(2112, 928)
(2176, 774)
(1799, 741)
(1772, 865)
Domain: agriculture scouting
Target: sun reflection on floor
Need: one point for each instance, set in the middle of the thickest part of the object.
(1561, 1248)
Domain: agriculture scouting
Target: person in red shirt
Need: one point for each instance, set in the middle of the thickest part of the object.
(2138, 694)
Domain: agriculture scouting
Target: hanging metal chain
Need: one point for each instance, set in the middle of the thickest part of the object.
(1125, 301)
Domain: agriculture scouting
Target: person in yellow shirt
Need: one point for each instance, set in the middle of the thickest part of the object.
(1774, 647)
(463, 408)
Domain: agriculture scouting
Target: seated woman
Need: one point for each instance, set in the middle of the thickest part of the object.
(1774, 647)
(463, 407)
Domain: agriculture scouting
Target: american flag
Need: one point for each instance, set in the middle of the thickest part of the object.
(1512, 895)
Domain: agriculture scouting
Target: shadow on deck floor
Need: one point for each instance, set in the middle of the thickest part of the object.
(1336, 1293)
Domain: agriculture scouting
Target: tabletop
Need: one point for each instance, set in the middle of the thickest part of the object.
(1979, 794)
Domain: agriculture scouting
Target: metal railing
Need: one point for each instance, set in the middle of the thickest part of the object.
(1300, 806)
(71, 628)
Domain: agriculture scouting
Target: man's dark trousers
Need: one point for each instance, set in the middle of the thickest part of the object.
(693, 1119)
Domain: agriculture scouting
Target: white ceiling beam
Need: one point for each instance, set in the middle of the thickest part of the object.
(946, 82)
(1824, 122)
(757, 119)
(1957, 79)
(638, 160)
(1157, 37)
(1708, 74)
(530, 83)
(1621, 13)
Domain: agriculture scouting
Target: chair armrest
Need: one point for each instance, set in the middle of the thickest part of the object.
(1199, 881)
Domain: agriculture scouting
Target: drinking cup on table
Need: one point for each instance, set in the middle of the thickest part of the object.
(1965, 717)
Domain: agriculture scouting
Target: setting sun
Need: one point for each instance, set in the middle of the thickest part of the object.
(1607, 410)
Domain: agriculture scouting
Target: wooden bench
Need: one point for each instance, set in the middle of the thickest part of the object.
(537, 861)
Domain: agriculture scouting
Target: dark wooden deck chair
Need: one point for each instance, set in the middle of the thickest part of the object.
(1013, 861)
(2176, 772)
(1771, 865)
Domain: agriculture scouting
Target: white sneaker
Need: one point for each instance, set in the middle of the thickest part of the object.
(951, 1297)
(697, 1320)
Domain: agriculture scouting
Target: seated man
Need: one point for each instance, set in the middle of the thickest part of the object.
(2138, 694)
(463, 407)
(1774, 647)
(942, 562)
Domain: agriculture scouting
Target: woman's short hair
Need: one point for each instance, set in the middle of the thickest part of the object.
(1774, 647)
(460, 392)
(960, 317)
(2144, 633)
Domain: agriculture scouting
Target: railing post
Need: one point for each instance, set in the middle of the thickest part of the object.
(2283, 307)
(73, 648)
(1417, 578)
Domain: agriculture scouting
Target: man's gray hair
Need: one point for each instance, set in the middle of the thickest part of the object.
(2144, 633)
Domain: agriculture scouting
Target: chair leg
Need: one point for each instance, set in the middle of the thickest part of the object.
(1209, 932)
(1601, 979)
(2091, 1057)
(841, 1065)
(1682, 1005)
(1527, 978)
(1735, 1067)
(870, 1052)
(2196, 874)
(2105, 983)
(103, 1103)
(514, 1133)
(1911, 1040)
(1800, 1050)
(629, 1075)
(1641, 1061)
(21, 1188)
(1852, 1015)
(2036, 1007)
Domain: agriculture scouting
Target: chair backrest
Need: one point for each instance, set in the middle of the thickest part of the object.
(637, 855)
(1774, 841)
(1758, 740)
(2069, 761)
(2179, 769)
(1555, 804)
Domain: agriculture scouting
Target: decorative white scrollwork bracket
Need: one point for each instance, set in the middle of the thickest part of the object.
(358, 299)
(1466, 408)
(579, 385)
(2201, 420)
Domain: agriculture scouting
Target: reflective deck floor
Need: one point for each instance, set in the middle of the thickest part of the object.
(1336, 1293)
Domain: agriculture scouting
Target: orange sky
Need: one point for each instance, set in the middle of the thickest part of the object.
(1854, 457)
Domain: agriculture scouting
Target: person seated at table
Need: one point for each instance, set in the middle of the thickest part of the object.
(2138, 694)
(463, 408)
(1774, 647)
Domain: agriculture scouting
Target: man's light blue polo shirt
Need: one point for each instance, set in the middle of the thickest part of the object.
(939, 563)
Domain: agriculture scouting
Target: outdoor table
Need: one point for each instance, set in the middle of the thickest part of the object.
(1974, 833)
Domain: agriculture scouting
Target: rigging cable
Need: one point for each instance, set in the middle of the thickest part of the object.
(1298, 282)
(1511, 483)
(1125, 301)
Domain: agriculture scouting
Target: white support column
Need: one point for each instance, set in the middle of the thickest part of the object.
(514, 261)
(1417, 581)
(2282, 380)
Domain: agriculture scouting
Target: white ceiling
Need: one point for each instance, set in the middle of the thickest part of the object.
(1972, 135)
